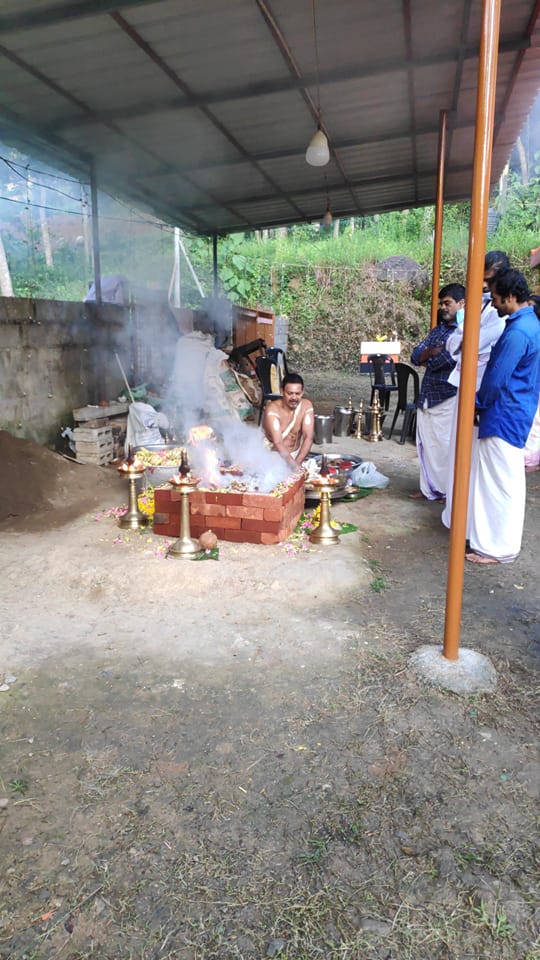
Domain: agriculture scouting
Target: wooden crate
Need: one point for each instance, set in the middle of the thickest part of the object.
(253, 325)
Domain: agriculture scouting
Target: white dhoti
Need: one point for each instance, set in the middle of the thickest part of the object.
(532, 447)
(446, 515)
(433, 425)
(497, 506)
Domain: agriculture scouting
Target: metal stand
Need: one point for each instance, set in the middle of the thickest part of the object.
(185, 546)
(133, 519)
(324, 532)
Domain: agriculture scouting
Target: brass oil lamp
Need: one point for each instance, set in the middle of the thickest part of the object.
(324, 532)
(185, 547)
(359, 421)
(133, 519)
(375, 432)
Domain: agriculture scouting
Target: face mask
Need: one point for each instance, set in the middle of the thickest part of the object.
(485, 296)
(460, 315)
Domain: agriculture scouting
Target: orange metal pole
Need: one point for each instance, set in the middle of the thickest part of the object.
(439, 216)
(485, 109)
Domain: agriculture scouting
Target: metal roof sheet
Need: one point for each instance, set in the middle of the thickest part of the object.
(201, 110)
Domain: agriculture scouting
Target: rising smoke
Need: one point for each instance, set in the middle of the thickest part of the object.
(197, 396)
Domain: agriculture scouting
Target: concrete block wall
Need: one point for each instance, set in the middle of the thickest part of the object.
(55, 356)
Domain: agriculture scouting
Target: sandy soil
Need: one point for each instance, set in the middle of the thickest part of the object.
(232, 759)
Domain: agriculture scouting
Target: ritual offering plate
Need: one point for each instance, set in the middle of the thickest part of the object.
(340, 467)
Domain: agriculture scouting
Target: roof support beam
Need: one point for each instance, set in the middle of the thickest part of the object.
(95, 236)
(293, 83)
(178, 82)
(341, 145)
(309, 192)
(439, 215)
(215, 284)
(60, 91)
(461, 56)
(14, 131)
(410, 89)
(49, 16)
(535, 14)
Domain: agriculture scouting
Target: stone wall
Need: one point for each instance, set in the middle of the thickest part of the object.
(56, 356)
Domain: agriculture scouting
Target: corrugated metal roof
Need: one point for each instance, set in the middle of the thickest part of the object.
(201, 110)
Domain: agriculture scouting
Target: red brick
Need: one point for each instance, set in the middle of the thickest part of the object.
(208, 509)
(270, 538)
(259, 499)
(167, 530)
(198, 522)
(230, 499)
(222, 523)
(251, 513)
(242, 536)
(273, 513)
(269, 526)
(165, 503)
(209, 496)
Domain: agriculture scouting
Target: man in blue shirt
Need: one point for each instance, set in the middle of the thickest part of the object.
(437, 396)
(506, 404)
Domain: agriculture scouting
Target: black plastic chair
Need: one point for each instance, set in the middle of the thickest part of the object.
(404, 374)
(383, 378)
(277, 355)
(267, 379)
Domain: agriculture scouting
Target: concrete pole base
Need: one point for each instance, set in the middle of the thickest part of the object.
(471, 673)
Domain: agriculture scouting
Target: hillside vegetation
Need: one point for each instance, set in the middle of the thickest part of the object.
(324, 279)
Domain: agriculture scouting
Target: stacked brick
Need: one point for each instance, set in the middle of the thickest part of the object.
(239, 517)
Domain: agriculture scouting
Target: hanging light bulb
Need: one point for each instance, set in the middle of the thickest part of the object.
(318, 153)
(327, 219)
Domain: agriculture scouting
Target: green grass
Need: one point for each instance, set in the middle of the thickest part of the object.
(18, 786)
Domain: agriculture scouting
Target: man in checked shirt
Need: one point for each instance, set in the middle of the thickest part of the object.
(437, 396)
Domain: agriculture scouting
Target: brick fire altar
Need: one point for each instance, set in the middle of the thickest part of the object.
(241, 517)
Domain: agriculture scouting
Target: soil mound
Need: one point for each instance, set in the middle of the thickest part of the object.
(41, 489)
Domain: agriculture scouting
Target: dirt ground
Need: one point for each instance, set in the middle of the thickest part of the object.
(234, 760)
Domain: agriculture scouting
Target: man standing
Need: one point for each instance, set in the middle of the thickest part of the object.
(506, 404)
(288, 423)
(437, 396)
(491, 328)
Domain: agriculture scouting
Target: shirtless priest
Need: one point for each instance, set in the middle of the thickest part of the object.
(288, 422)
